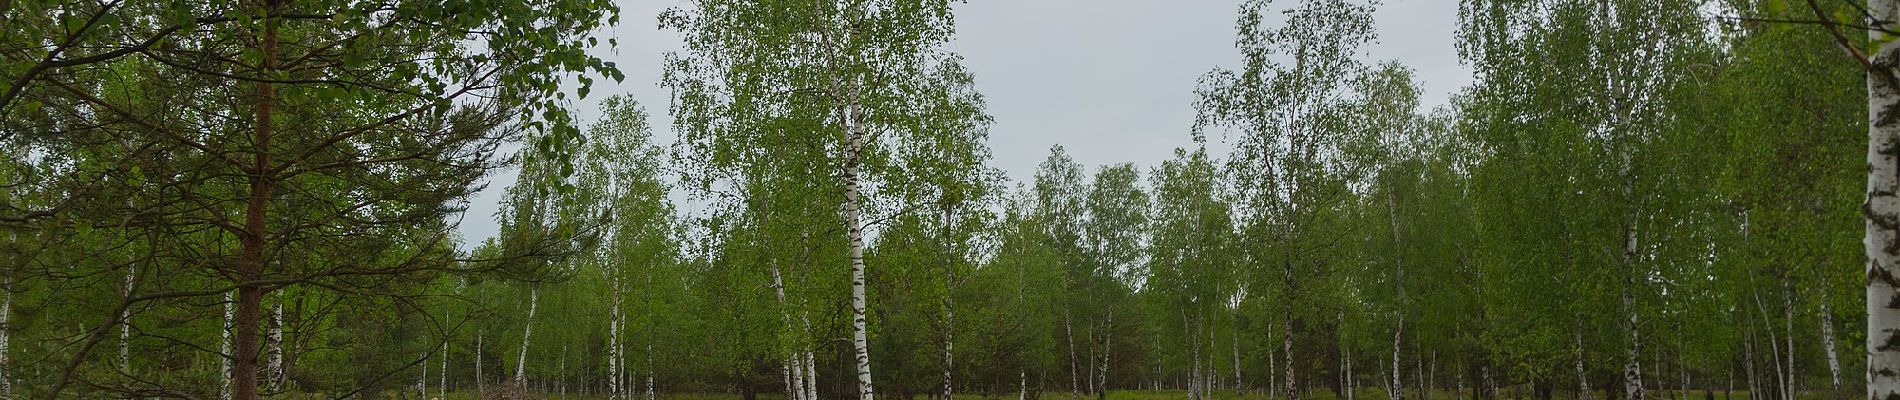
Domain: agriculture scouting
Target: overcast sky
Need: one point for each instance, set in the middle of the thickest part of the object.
(1109, 80)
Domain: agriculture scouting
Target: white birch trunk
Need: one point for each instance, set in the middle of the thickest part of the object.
(443, 387)
(1273, 369)
(1238, 384)
(125, 321)
(614, 350)
(224, 348)
(1748, 351)
(1075, 384)
(1827, 344)
(275, 367)
(1187, 328)
(1292, 386)
(527, 331)
(481, 387)
(1632, 368)
(1583, 377)
(651, 393)
(1022, 384)
(1774, 348)
(789, 367)
(1345, 357)
(6, 312)
(1787, 312)
(1397, 384)
(853, 219)
(422, 381)
(1882, 209)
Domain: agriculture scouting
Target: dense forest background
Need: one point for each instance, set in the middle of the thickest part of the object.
(1636, 199)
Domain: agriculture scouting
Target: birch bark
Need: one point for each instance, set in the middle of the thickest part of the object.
(275, 369)
(1827, 344)
(6, 311)
(527, 333)
(1882, 240)
(224, 349)
(853, 219)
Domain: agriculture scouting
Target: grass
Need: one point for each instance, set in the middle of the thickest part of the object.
(1363, 394)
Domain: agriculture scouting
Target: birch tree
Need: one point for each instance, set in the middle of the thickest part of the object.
(846, 72)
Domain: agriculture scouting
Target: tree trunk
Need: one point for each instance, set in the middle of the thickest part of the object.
(1075, 383)
(1238, 383)
(651, 393)
(794, 384)
(6, 313)
(125, 321)
(1774, 350)
(251, 241)
(1273, 369)
(1583, 377)
(615, 353)
(1022, 384)
(1827, 344)
(527, 333)
(1748, 352)
(1345, 357)
(949, 304)
(1397, 384)
(481, 387)
(444, 386)
(1632, 368)
(1882, 209)
(1292, 386)
(274, 372)
(224, 347)
(1194, 362)
(1787, 312)
(422, 380)
(853, 160)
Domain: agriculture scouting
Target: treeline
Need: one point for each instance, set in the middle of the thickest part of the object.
(1635, 199)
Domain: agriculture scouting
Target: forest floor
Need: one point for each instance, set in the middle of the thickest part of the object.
(1366, 394)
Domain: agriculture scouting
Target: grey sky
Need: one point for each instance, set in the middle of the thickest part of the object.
(1110, 80)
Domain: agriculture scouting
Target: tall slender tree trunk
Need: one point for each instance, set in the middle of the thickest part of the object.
(853, 215)
(794, 379)
(1075, 382)
(481, 385)
(1238, 383)
(1022, 384)
(1345, 358)
(251, 241)
(1632, 368)
(275, 370)
(1292, 386)
(1273, 368)
(1882, 209)
(1583, 377)
(1194, 363)
(527, 334)
(6, 327)
(1748, 352)
(1397, 384)
(444, 385)
(1108, 347)
(652, 394)
(125, 321)
(615, 353)
(949, 301)
(1827, 344)
(224, 348)
(422, 379)
(1787, 312)
(1774, 350)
